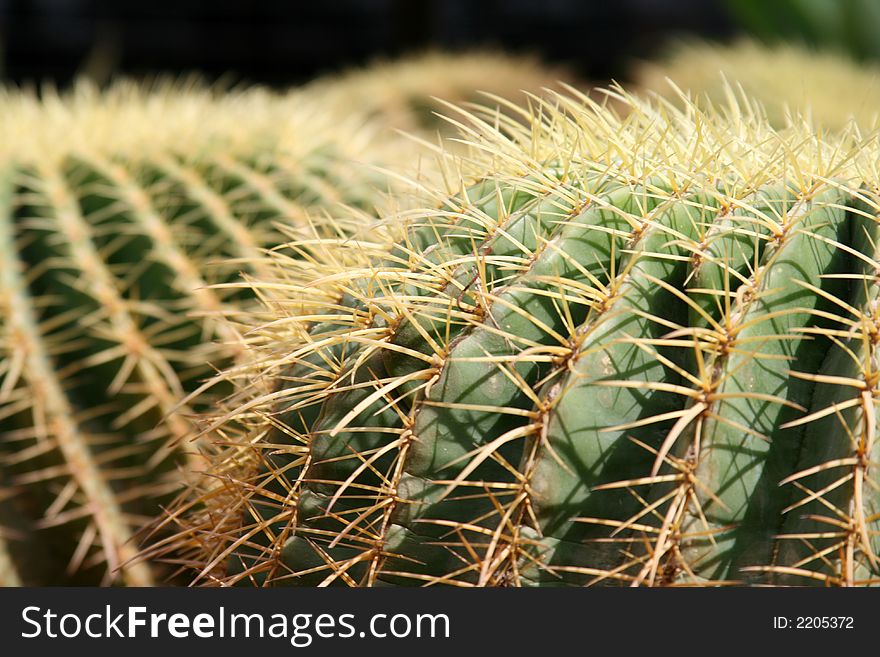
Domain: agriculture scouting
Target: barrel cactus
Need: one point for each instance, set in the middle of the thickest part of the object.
(411, 93)
(118, 212)
(629, 349)
(787, 79)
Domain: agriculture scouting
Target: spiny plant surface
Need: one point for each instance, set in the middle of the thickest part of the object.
(118, 212)
(641, 350)
(786, 78)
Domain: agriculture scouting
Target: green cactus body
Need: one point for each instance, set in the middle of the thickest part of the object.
(606, 346)
(439, 419)
(624, 370)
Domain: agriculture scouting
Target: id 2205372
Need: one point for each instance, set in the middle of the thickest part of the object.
(813, 623)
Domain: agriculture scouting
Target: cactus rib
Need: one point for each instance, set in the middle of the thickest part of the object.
(54, 419)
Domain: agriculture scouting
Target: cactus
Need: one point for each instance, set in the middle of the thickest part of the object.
(118, 212)
(786, 79)
(629, 351)
(409, 94)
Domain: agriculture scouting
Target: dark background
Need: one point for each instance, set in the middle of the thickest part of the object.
(286, 41)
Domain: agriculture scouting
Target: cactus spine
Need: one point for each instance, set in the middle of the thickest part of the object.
(600, 363)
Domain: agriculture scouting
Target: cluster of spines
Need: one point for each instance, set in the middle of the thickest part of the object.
(582, 369)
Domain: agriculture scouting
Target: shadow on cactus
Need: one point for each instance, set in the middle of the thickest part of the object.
(640, 350)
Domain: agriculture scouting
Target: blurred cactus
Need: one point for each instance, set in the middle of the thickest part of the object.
(787, 80)
(408, 93)
(118, 210)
